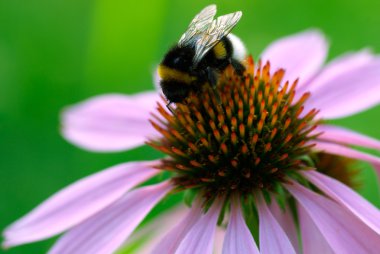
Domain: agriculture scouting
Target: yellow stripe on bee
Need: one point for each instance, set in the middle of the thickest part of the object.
(168, 73)
(220, 50)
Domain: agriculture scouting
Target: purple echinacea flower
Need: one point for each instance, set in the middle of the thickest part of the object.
(257, 147)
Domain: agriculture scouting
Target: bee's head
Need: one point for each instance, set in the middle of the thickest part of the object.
(175, 91)
(180, 58)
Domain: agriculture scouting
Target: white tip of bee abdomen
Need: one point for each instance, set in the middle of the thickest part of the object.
(239, 50)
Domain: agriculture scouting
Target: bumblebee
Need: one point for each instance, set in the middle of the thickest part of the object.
(204, 50)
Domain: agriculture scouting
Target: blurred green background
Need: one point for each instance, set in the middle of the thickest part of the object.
(54, 53)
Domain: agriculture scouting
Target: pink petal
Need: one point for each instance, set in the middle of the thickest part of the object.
(345, 136)
(286, 221)
(110, 122)
(348, 93)
(301, 55)
(172, 240)
(200, 238)
(146, 100)
(339, 66)
(344, 232)
(273, 239)
(77, 202)
(149, 235)
(106, 231)
(346, 152)
(219, 237)
(348, 198)
(313, 241)
(238, 238)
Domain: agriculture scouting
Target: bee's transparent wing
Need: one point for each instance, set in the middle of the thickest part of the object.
(219, 28)
(198, 25)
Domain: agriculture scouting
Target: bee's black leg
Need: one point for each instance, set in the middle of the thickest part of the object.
(169, 108)
(212, 77)
(239, 68)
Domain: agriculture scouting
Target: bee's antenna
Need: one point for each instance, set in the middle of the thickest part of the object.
(168, 107)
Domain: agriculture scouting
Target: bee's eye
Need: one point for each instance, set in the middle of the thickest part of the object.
(180, 61)
(177, 60)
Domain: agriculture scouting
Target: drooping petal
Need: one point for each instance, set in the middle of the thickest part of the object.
(286, 221)
(219, 238)
(273, 239)
(346, 152)
(238, 238)
(344, 232)
(145, 238)
(359, 87)
(200, 238)
(313, 241)
(346, 136)
(111, 122)
(149, 235)
(77, 202)
(301, 55)
(107, 230)
(342, 194)
(172, 240)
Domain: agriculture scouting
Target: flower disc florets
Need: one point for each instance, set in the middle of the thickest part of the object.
(246, 134)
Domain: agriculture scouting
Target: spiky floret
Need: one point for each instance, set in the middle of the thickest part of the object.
(246, 134)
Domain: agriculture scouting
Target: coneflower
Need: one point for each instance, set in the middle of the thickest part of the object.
(254, 153)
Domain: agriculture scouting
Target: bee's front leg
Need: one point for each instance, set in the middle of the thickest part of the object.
(169, 108)
(213, 80)
(212, 77)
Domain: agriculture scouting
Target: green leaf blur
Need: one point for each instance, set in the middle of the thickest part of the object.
(56, 53)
